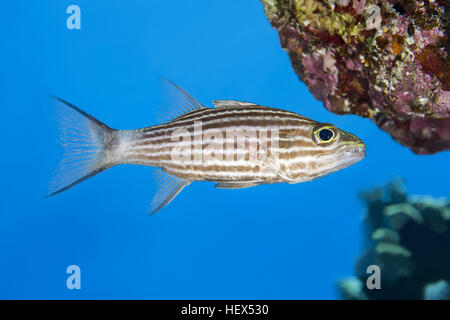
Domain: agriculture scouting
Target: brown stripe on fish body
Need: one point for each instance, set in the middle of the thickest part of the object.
(306, 167)
(223, 114)
(166, 142)
(162, 134)
(153, 146)
(202, 170)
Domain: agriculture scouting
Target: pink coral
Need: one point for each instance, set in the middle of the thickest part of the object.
(393, 68)
(322, 73)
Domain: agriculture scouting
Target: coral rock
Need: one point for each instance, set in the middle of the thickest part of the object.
(413, 256)
(387, 60)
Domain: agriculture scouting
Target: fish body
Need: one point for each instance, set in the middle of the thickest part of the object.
(236, 144)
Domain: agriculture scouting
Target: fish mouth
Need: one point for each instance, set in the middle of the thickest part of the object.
(355, 152)
(357, 148)
(352, 154)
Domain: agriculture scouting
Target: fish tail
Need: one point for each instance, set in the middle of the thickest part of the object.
(87, 144)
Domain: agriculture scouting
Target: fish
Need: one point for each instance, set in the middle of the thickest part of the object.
(236, 145)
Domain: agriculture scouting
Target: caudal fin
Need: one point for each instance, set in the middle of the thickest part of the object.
(85, 141)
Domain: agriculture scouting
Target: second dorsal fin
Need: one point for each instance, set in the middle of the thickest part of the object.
(231, 103)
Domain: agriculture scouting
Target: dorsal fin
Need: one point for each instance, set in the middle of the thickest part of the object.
(181, 101)
(231, 103)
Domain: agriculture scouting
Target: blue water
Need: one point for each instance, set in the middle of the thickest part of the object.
(269, 242)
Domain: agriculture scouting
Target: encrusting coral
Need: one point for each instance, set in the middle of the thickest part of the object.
(409, 239)
(387, 60)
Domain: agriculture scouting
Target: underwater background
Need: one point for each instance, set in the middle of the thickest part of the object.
(269, 242)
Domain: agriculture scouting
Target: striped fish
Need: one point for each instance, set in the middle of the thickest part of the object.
(236, 145)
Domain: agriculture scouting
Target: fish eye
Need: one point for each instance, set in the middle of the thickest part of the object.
(325, 134)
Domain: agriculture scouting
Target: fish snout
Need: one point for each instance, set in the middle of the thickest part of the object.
(353, 145)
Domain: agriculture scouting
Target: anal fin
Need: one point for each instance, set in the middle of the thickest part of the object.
(236, 185)
(169, 187)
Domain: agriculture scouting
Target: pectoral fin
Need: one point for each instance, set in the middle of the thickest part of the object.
(169, 187)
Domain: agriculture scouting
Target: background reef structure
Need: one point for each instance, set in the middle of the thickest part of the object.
(387, 60)
(409, 239)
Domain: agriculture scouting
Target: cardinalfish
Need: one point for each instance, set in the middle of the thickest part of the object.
(236, 144)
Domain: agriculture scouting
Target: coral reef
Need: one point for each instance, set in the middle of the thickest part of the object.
(409, 239)
(387, 60)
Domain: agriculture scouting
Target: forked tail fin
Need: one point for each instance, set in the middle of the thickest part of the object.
(86, 142)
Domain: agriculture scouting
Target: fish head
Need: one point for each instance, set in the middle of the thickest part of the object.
(336, 149)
